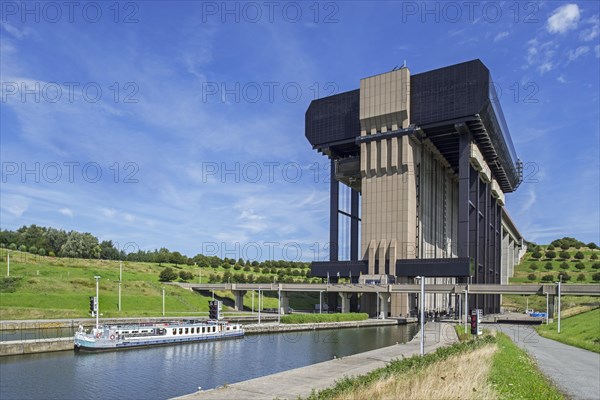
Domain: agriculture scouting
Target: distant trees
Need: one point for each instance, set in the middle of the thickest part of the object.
(564, 255)
(594, 256)
(592, 245)
(596, 276)
(565, 276)
(581, 277)
(531, 277)
(536, 254)
(550, 254)
(185, 275)
(580, 266)
(548, 278)
(533, 266)
(549, 266)
(579, 255)
(564, 265)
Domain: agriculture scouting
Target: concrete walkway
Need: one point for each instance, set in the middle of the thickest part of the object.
(576, 372)
(300, 382)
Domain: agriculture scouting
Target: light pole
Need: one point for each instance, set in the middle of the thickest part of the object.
(422, 306)
(279, 304)
(259, 305)
(120, 280)
(7, 263)
(320, 301)
(466, 307)
(163, 290)
(559, 282)
(253, 302)
(97, 278)
(547, 307)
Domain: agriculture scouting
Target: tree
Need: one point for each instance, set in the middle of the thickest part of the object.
(531, 277)
(596, 265)
(533, 266)
(594, 256)
(33, 250)
(550, 254)
(22, 248)
(564, 255)
(564, 246)
(579, 255)
(548, 266)
(237, 267)
(592, 245)
(80, 245)
(167, 275)
(42, 251)
(177, 258)
(581, 277)
(596, 277)
(548, 278)
(12, 246)
(537, 254)
(580, 266)
(186, 276)
(551, 247)
(565, 277)
(564, 265)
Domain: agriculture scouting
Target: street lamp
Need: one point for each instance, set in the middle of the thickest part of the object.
(422, 306)
(320, 301)
(559, 282)
(97, 278)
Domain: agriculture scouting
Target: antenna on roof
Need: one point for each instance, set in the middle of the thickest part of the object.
(404, 65)
(395, 68)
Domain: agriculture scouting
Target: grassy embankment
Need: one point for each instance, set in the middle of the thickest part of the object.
(582, 330)
(538, 268)
(314, 318)
(490, 367)
(48, 287)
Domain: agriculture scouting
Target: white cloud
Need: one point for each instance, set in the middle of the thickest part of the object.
(500, 36)
(578, 52)
(593, 31)
(128, 217)
(563, 19)
(66, 211)
(109, 212)
(541, 55)
(561, 79)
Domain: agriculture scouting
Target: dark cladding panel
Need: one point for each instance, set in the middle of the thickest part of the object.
(448, 93)
(333, 119)
(434, 267)
(355, 268)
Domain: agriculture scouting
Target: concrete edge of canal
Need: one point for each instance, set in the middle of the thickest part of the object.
(20, 347)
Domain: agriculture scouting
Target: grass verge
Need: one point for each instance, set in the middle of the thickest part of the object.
(348, 386)
(313, 318)
(514, 375)
(581, 330)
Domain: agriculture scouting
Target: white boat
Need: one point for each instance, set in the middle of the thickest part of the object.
(115, 337)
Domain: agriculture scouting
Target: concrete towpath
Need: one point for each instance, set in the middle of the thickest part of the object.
(575, 371)
(300, 382)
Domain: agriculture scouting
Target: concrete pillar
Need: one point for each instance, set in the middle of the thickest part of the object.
(345, 301)
(368, 304)
(239, 299)
(285, 302)
(551, 307)
(384, 304)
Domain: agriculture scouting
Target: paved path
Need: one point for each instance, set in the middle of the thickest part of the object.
(301, 381)
(576, 372)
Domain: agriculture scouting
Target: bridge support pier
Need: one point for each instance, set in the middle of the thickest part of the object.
(285, 303)
(239, 299)
(551, 307)
(346, 297)
(384, 305)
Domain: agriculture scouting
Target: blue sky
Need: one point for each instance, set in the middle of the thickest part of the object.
(181, 124)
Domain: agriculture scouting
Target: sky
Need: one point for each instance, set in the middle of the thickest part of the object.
(181, 124)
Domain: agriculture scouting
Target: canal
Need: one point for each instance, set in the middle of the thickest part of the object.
(164, 372)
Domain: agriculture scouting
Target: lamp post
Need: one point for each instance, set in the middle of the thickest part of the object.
(253, 302)
(422, 307)
(259, 305)
(163, 301)
(97, 278)
(466, 307)
(7, 263)
(559, 282)
(320, 301)
(279, 304)
(120, 280)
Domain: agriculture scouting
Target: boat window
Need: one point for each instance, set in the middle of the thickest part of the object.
(186, 331)
(180, 331)
(203, 330)
(174, 331)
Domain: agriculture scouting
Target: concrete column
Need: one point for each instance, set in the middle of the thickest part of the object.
(239, 299)
(285, 302)
(345, 301)
(551, 307)
(384, 304)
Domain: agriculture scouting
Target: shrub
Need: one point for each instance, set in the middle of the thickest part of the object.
(186, 275)
(22, 248)
(533, 266)
(596, 277)
(33, 250)
(565, 277)
(237, 267)
(42, 251)
(167, 275)
(594, 256)
(564, 246)
(548, 278)
(596, 265)
(551, 247)
(537, 254)
(564, 265)
(531, 277)
(226, 266)
(247, 268)
(579, 255)
(9, 284)
(564, 255)
(580, 266)
(581, 277)
(550, 254)
(592, 245)
(12, 246)
(312, 318)
(51, 254)
(549, 266)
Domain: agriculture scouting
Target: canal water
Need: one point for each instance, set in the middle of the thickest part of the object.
(169, 371)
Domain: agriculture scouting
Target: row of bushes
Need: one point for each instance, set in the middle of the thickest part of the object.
(565, 277)
(565, 255)
(563, 265)
(314, 318)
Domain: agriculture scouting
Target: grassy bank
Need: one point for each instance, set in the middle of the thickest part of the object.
(51, 287)
(515, 376)
(489, 367)
(581, 330)
(314, 318)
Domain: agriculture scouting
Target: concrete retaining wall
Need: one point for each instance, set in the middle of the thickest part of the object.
(35, 346)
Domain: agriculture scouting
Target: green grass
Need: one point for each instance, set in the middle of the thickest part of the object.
(404, 366)
(460, 332)
(314, 318)
(582, 330)
(515, 375)
(49, 287)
